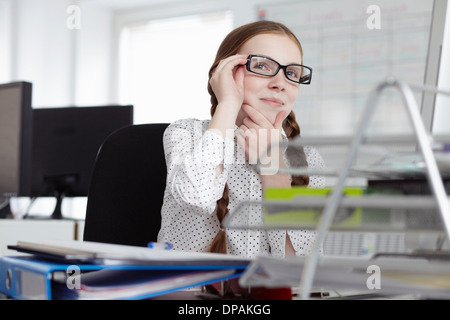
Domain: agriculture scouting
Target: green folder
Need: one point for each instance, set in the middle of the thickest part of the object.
(294, 213)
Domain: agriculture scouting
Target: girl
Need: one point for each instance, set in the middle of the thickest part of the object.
(253, 83)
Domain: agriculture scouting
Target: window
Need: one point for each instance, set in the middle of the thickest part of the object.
(164, 64)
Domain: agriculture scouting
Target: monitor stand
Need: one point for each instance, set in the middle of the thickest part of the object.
(5, 210)
(57, 212)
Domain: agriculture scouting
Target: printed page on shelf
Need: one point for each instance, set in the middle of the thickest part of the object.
(379, 275)
(105, 253)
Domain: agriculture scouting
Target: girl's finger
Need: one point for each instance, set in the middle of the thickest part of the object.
(239, 75)
(279, 120)
(231, 62)
(250, 123)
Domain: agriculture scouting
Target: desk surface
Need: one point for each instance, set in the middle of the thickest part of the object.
(13, 230)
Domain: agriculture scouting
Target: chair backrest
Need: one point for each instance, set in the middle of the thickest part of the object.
(127, 187)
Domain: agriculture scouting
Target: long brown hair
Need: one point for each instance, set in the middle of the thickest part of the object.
(231, 45)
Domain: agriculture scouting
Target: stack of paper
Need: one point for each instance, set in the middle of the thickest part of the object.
(90, 270)
(381, 276)
(108, 284)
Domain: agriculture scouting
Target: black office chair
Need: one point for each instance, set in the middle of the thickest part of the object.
(127, 187)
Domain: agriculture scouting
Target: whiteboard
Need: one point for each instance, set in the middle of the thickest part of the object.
(349, 59)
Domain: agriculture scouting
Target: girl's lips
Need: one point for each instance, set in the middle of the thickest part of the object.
(273, 102)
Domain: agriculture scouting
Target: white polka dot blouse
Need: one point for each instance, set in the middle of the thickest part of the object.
(193, 187)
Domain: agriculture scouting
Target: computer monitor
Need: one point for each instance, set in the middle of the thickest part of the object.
(15, 142)
(66, 141)
(435, 72)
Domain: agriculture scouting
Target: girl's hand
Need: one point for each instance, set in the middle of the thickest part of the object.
(227, 81)
(257, 134)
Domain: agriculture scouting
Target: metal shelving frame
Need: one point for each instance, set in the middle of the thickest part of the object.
(335, 199)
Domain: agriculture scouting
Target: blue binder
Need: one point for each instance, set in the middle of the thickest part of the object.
(30, 278)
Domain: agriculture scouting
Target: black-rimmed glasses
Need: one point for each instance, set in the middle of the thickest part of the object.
(268, 67)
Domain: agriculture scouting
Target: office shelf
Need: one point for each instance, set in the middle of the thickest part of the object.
(418, 162)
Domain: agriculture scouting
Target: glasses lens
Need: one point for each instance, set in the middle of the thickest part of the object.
(263, 66)
(268, 67)
(295, 73)
(298, 74)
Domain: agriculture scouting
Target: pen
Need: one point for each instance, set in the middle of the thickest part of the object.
(160, 245)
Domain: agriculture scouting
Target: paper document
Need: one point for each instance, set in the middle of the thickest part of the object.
(105, 253)
(383, 275)
(131, 284)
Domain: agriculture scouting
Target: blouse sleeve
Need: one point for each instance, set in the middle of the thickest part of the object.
(315, 161)
(192, 158)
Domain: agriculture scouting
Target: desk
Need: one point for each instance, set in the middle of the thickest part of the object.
(336, 243)
(13, 230)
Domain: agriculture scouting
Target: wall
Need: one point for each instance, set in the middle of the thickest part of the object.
(43, 55)
(94, 51)
(5, 40)
(78, 67)
(64, 65)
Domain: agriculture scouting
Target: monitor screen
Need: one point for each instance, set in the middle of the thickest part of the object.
(66, 141)
(15, 138)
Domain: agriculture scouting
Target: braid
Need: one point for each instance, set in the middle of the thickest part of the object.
(292, 130)
(219, 243)
(291, 127)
